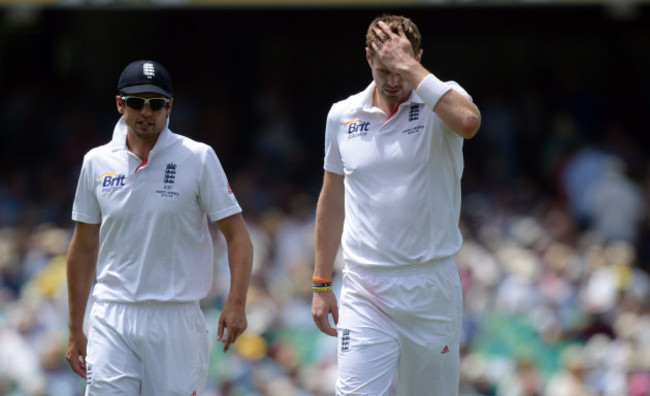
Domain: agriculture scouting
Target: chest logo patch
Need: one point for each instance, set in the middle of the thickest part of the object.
(168, 182)
(356, 128)
(112, 182)
(414, 115)
(170, 173)
(414, 112)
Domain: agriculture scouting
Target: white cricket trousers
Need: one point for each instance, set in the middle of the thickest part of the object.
(148, 349)
(400, 321)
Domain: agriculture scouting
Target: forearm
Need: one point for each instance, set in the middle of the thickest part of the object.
(458, 113)
(81, 264)
(240, 261)
(330, 215)
(240, 257)
(328, 231)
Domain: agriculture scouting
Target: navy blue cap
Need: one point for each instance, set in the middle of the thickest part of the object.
(145, 76)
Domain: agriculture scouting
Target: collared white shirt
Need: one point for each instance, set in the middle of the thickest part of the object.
(402, 180)
(154, 238)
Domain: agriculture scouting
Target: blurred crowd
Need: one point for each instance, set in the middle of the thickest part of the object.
(555, 266)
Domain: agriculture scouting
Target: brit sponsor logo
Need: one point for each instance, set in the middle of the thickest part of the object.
(112, 182)
(357, 125)
(356, 128)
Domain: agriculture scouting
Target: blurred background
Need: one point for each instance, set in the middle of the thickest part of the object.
(556, 187)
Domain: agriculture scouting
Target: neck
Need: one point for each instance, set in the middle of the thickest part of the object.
(141, 147)
(387, 106)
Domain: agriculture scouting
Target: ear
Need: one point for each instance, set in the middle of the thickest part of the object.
(419, 57)
(120, 104)
(369, 56)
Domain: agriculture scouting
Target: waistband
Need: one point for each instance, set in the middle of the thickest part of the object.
(400, 270)
(148, 303)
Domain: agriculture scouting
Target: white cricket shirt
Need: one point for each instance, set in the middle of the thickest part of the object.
(402, 180)
(154, 238)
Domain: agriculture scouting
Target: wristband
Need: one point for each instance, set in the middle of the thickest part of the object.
(321, 280)
(321, 284)
(431, 90)
(322, 287)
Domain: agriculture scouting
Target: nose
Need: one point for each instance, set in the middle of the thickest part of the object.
(394, 79)
(146, 109)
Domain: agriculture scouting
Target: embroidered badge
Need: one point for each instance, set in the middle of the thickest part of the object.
(345, 340)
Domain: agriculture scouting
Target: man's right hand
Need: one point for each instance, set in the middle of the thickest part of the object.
(76, 354)
(324, 303)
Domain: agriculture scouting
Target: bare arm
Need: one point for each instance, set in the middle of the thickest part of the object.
(81, 265)
(330, 214)
(458, 113)
(240, 261)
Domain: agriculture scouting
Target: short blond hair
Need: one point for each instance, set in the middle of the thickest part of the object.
(393, 21)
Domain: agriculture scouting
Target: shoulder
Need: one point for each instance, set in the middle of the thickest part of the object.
(98, 152)
(356, 100)
(348, 105)
(186, 143)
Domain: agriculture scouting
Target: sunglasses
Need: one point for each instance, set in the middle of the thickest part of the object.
(137, 103)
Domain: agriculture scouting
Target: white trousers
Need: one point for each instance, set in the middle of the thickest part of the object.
(400, 322)
(147, 349)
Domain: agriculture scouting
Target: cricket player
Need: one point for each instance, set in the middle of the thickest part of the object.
(391, 199)
(141, 209)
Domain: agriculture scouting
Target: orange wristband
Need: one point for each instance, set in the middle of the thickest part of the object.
(321, 280)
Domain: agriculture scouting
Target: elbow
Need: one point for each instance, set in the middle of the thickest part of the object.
(469, 126)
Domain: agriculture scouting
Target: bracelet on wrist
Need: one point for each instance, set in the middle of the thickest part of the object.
(321, 280)
(321, 284)
(321, 288)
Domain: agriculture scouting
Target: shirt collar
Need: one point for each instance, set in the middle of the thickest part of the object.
(118, 141)
(363, 101)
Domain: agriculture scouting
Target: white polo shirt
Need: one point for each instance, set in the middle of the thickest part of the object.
(154, 238)
(402, 180)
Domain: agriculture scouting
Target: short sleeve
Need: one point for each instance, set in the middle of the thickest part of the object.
(333, 161)
(85, 207)
(215, 196)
